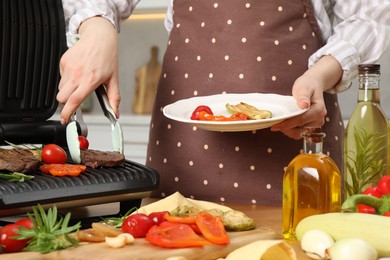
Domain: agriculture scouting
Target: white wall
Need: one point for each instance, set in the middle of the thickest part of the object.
(348, 98)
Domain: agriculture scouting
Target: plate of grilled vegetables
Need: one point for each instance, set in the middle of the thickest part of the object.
(231, 112)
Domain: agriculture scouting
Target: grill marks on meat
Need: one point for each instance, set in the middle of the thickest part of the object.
(95, 158)
(18, 160)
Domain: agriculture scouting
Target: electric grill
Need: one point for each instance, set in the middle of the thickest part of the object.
(32, 36)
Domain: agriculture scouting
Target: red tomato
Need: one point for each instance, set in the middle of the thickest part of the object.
(84, 144)
(137, 225)
(362, 208)
(158, 217)
(387, 214)
(25, 222)
(7, 240)
(384, 185)
(373, 191)
(56, 169)
(53, 153)
(174, 235)
(194, 115)
(212, 228)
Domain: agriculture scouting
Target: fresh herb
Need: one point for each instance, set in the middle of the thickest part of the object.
(117, 221)
(15, 177)
(365, 167)
(49, 233)
(35, 150)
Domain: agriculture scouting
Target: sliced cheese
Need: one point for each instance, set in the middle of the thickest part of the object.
(178, 200)
(264, 250)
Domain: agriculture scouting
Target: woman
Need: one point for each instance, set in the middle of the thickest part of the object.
(256, 46)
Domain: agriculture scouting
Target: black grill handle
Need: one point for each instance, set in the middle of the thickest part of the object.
(34, 133)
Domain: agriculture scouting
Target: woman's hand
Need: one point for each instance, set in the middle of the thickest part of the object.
(90, 62)
(308, 91)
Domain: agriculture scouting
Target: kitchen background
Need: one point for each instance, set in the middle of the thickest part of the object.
(138, 35)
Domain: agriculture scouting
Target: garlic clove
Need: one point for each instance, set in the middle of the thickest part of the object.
(315, 242)
(352, 249)
(120, 240)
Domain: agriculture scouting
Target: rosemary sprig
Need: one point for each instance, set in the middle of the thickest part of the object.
(365, 166)
(35, 150)
(117, 221)
(15, 177)
(49, 233)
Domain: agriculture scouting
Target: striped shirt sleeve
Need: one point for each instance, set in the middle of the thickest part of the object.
(360, 35)
(77, 11)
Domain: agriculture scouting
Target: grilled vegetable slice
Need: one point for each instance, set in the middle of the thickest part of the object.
(251, 111)
(234, 220)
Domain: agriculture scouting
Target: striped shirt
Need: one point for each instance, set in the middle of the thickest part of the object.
(354, 31)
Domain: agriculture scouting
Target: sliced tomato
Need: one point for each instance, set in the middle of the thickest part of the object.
(212, 228)
(63, 169)
(204, 116)
(188, 219)
(174, 235)
(195, 113)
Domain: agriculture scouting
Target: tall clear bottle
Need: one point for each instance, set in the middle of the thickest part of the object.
(311, 183)
(365, 141)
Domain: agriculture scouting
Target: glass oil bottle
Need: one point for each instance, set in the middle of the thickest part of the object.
(311, 183)
(365, 140)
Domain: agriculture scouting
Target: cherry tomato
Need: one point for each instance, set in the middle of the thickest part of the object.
(158, 217)
(25, 222)
(53, 153)
(384, 185)
(373, 191)
(84, 144)
(137, 225)
(362, 208)
(387, 214)
(194, 115)
(7, 241)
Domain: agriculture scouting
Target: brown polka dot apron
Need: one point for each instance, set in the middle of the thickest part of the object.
(233, 46)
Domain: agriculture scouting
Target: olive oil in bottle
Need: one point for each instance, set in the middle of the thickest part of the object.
(311, 183)
(365, 141)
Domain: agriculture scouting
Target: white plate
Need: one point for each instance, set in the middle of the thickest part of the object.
(282, 107)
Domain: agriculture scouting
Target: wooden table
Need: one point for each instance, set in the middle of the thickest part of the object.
(265, 216)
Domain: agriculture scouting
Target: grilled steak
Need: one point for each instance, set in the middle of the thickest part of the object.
(18, 160)
(95, 158)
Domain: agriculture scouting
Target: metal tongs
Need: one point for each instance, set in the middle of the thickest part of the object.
(72, 135)
(116, 129)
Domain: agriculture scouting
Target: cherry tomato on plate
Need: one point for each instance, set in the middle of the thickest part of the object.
(137, 225)
(84, 143)
(158, 217)
(195, 113)
(387, 214)
(53, 153)
(7, 241)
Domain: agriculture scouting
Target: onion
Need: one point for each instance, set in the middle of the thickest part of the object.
(352, 249)
(315, 242)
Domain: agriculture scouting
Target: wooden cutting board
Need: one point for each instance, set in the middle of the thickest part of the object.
(142, 250)
(147, 77)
